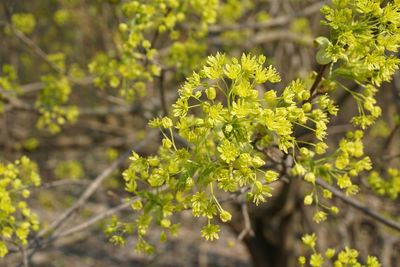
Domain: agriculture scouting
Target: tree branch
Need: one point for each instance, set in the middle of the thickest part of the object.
(38, 51)
(247, 224)
(270, 36)
(162, 94)
(317, 80)
(359, 206)
(390, 139)
(101, 216)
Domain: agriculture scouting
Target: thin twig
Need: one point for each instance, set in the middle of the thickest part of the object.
(391, 157)
(13, 101)
(63, 182)
(270, 36)
(24, 257)
(247, 224)
(359, 206)
(38, 51)
(317, 80)
(93, 220)
(390, 138)
(107, 110)
(31, 87)
(162, 94)
(37, 86)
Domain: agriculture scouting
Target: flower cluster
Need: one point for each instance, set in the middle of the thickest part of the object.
(50, 104)
(16, 219)
(139, 62)
(340, 166)
(345, 257)
(362, 47)
(8, 84)
(24, 22)
(226, 117)
(69, 169)
(389, 186)
(222, 123)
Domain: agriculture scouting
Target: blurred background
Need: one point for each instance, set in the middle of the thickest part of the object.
(81, 93)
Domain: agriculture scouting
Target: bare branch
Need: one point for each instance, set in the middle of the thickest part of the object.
(162, 94)
(270, 36)
(94, 219)
(25, 260)
(317, 80)
(107, 110)
(390, 138)
(391, 157)
(101, 216)
(63, 182)
(247, 230)
(36, 49)
(360, 206)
